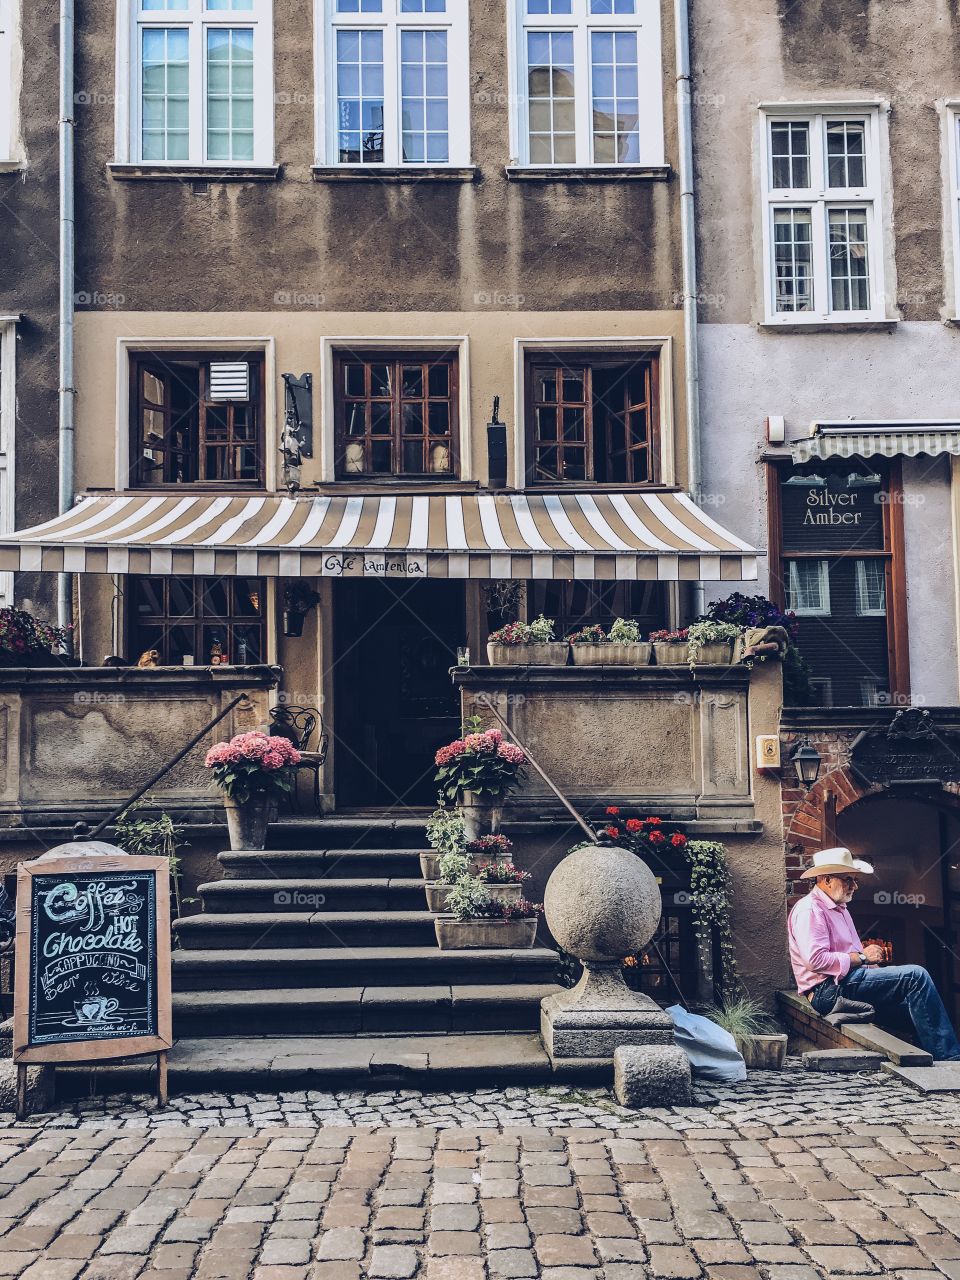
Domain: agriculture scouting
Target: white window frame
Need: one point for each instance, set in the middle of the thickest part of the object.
(396, 342)
(10, 80)
(646, 23)
(8, 421)
(646, 344)
(455, 22)
(860, 588)
(823, 572)
(132, 19)
(820, 199)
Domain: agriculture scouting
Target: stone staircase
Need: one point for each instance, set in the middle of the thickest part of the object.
(333, 939)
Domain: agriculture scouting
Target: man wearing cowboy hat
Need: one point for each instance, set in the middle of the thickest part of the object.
(837, 973)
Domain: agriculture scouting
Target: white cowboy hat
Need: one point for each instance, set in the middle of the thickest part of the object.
(836, 862)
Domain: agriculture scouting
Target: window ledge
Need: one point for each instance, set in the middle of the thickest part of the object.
(830, 326)
(395, 173)
(588, 173)
(193, 172)
(12, 166)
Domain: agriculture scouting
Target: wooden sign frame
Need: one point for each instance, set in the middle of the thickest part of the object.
(100, 1050)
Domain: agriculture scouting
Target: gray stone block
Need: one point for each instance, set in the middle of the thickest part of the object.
(39, 1087)
(651, 1076)
(842, 1060)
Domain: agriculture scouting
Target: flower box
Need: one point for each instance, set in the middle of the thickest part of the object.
(669, 653)
(719, 654)
(437, 894)
(474, 935)
(615, 655)
(763, 1053)
(551, 654)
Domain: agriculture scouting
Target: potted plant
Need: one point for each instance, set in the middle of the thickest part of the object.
(526, 643)
(252, 770)
(588, 646)
(712, 642)
(477, 920)
(25, 641)
(626, 649)
(503, 880)
(762, 1047)
(487, 849)
(445, 832)
(670, 648)
(478, 770)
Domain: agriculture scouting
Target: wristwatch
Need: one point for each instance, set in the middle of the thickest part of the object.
(863, 957)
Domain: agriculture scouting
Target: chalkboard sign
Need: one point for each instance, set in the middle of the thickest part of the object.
(93, 957)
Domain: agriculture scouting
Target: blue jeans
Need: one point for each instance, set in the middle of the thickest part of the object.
(907, 985)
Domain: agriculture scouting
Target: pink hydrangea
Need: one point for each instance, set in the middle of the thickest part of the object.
(513, 755)
(268, 753)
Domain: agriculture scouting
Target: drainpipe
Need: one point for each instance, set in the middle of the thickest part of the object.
(67, 390)
(688, 240)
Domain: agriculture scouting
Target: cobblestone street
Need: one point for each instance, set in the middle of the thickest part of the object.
(788, 1177)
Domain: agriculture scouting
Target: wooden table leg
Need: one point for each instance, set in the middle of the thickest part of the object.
(163, 1093)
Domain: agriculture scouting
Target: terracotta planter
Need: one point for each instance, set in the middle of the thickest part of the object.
(719, 654)
(474, 935)
(671, 654)
(612, 655)
(247, 823)
(482, 814)
(763, 1053)
(437, 894)
(553, 654)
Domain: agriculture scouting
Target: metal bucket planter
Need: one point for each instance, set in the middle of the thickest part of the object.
(553, 654)
(437, 894)
(671, 654)
(247, 823)
(475, 935)
(763, 1053)
(482, 814)
(718, 654)
(613, 655)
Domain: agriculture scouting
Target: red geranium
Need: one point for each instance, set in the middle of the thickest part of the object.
(634, 824)
(612, 810)
(678, 839)
(613, 832)
(656, 837)
(652, 822)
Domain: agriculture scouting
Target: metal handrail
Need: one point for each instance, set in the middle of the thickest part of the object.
(80, 831)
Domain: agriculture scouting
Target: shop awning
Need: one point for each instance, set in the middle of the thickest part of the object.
(874, 439)
(660, 536)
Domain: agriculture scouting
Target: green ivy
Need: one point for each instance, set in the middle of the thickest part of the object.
(711, 894)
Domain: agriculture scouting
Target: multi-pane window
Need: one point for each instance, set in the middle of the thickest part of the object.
(822, 218)
(196, 419)
(871, 588)
(592, 418)
(396, 415)
(202, 80)
(590, 82)
(808, 587)
(203, 620)
(400, 88)
(8, 103)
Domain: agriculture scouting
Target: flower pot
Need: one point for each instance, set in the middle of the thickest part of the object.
(670, 653)
(430, 865)
(437, 894)
(718, 654)
(247, 822)
(614, 655)
(473, 935)
(763, 1053)
(553, 654)
(481, 814)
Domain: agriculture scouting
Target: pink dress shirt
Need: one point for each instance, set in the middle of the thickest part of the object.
(822, 935)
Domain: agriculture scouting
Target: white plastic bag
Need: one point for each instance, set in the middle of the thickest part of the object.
(713, 1052)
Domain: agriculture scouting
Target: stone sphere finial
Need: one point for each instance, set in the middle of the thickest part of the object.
(602, 903)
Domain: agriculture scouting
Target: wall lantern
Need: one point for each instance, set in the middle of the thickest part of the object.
(806, 759)
(297, 603)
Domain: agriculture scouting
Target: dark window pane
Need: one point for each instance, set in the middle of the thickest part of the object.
(380, 381)
(640, 462)
(439, 380)
(413, 419)
(179, 640)
(546, 387)
(356, 419)
(215, 464)
(547, 464)
(573, 424)
(216, 422)
(574, 464)
(413, 382)
(215, 636)
(246, 597)
(149, 597)
(439, 419)
(215, 604)
(572, 387)
(181, 598)
(381, 418)
(247, 645)
(153, 389)
(413, 455)
(353, 379)
(547, 424)
(381, 455)
(243, 424)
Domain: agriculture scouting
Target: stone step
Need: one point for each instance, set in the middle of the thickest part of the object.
(359, 1010)
(307, 929)
(265, 1063)
(319, 863)
(312, 895)
(366, 831)
(330, 967)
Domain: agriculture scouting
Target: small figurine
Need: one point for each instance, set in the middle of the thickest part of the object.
(149, 658)
(217, 656)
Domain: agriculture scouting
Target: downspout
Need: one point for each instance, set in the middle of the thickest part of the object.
(67, 390)
(688, 242)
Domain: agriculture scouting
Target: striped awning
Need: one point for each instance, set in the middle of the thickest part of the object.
(655, 535)
(873, 439)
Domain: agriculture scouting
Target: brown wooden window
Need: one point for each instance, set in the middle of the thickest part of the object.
(396, 415)
(199, 617)
(592, 418)
(197, 419)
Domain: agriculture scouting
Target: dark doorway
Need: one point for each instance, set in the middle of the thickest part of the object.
(394, 702)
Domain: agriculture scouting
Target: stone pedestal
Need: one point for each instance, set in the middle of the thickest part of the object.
(603, 903)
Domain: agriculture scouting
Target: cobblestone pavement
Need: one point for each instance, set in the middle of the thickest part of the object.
(789, 1177)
